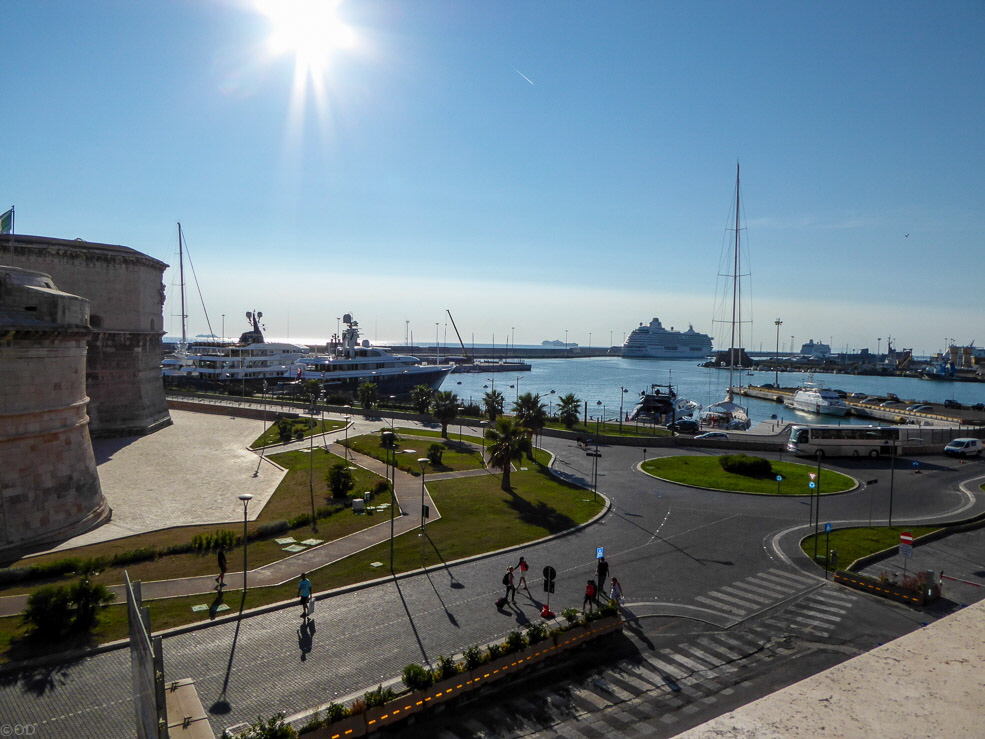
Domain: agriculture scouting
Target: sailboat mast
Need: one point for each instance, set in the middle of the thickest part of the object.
(735, 282)
(181, 273)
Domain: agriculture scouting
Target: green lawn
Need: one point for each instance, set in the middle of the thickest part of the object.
(412, 444)
(271, 435)
(706, 472)
(476, 517)
(851, 544)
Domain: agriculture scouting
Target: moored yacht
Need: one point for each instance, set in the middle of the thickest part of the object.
(813, 398)
(354, 362)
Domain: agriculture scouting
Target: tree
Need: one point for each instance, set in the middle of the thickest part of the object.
(531, 415)
(369, 393)
(567, 409)
(493, 401)
(444, 408)
(340, 480)
(507, 444)
(420, 398)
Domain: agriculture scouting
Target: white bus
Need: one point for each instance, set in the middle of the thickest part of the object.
(844, 441)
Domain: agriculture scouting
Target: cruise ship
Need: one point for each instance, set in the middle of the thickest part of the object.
(653, 341)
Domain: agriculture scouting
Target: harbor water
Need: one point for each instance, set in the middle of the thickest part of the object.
(612, 385)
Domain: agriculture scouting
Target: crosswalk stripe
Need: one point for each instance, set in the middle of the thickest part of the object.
(799, 579)
(767, 587)
(710, 643)
(738, 589)
(782, 586)
(718, 665)
(811, 622)
(731, 598)
(721, 606)
(589, 697)
(635, 682)
(698, 669)
(812, 613)
(824, 607)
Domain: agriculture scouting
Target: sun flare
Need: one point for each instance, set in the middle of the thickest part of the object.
(311, 30)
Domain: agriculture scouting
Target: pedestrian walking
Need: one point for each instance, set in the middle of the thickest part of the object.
(222, 567)
(602, 572)
(589, 600)
(304, 591)
(615, 591)
(523, 567)
(510, 587)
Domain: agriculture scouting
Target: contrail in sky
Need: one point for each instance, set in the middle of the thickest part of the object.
(521, 74)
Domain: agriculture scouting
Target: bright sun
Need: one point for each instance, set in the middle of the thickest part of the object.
(310, 29)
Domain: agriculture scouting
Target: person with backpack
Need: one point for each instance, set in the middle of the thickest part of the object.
(510, 587)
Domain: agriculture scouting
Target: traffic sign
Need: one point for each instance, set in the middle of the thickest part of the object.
(599, 552)
(906, 538)
(549, 574)
(827, 528)
(812, 475)
(811, 485)
(779, 478)
(906, 544)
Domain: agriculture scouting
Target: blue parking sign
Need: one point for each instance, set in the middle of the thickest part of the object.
(599, 552)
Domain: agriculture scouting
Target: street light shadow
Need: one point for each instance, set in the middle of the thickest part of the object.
(454, 584)
(413, 626)
(451, 616)
(221, 705)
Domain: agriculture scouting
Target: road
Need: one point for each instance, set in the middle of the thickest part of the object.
(725, 610)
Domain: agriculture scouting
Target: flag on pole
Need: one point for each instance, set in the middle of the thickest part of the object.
(7, 222)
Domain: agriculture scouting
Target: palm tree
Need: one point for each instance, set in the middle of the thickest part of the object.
(531, 415)
(368, 394)
(420, 398)
(444, 408)
(567, 409)
(493, 401)
(508, 441)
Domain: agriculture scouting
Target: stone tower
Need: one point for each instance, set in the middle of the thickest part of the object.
(125, 292)
(49, 487)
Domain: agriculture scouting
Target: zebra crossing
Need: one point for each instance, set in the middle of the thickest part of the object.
(648, 693)
(742, 599)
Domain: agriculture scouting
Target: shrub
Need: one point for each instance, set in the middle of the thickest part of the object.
(272, 728)
(536, 633)
(473, 657)
(435, 452)
(270, 529)
(571, 615)
(446, 668)
(302, 519)
(88, 597)
(416, 677)
(610, 608)
(495, 650)
(379, 697)
(357, 706)
(47, 614)
(380, 487)
(340, 480)
(743, 464)
(515, 642)
(335, 712)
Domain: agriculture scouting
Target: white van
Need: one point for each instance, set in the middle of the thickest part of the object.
(964, 447)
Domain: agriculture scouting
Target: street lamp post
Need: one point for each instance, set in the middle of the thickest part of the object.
(246, 498)
(482, 431)
(621, 391)
(776, 362)
(518, 389)
(423, 462)
(817, 507)
(347, 418)
(461, 421)
(311, 462)
(388, 437)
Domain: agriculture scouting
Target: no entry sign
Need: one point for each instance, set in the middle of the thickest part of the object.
(906, 544)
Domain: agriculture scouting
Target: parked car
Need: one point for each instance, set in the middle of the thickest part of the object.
(872, 401)
(888, 403)
(978, 407)
(712, 435)
(964, 447)
(856, 396)
(951, 403)
(684, 426)
(920, 408)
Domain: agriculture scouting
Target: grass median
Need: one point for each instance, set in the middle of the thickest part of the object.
(854, 543)
(706, 472)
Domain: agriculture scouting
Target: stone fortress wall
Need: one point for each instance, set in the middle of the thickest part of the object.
(49, 485)
(126, 295)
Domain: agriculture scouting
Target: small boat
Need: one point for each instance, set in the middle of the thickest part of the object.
(355, 362)
(813, 398)
(662, 405)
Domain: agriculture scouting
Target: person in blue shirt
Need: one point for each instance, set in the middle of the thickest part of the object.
(304, 590)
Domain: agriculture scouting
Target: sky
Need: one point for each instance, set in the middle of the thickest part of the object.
(543, 170)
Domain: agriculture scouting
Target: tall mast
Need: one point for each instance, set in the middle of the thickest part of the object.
(735, 283)
(181, 273)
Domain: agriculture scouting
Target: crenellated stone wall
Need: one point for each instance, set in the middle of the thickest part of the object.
(126, 297)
